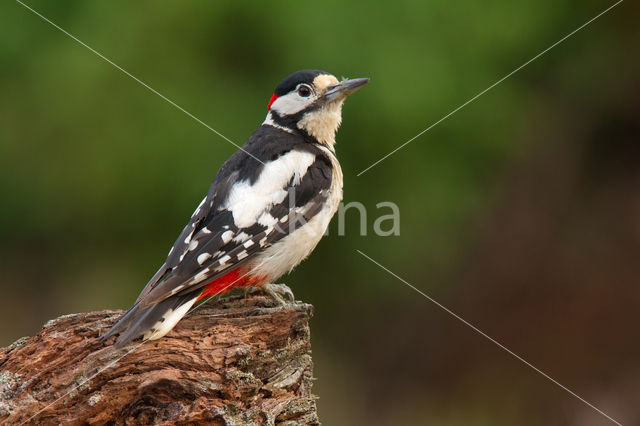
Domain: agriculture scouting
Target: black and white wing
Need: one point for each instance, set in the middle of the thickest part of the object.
(249, 207)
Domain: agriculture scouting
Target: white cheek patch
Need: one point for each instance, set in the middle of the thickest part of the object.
(291, 103)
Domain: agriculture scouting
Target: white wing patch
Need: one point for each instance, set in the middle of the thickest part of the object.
(248, 201)
(266, 219)
(199, 276)
(203, 257)
(226, 236)
(241, 237)
(242, 255)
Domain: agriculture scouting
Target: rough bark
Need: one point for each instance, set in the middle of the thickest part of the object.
(234, 362)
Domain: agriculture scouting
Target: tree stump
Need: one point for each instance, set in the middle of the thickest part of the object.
(238, 361)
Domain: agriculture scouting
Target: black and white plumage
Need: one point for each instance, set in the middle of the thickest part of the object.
(267, 208)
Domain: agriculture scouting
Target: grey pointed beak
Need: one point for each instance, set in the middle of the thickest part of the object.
(345, 88)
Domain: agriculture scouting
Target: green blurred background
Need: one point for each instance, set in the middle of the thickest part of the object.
(521, 212)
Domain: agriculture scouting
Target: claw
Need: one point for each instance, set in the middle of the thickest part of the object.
(279, 293)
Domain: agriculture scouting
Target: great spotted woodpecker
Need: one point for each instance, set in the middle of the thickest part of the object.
(266, 210)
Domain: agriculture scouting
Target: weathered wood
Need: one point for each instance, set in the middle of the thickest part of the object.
(234, 362)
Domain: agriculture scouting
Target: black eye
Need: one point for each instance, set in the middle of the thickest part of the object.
(304, 90)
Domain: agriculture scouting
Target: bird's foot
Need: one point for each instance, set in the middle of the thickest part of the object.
(281, 294)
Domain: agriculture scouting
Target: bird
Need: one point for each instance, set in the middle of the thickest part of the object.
(267, 208)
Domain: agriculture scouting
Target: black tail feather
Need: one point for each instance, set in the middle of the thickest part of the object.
(136, 321)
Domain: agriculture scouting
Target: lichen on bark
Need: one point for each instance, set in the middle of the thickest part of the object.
(241, 360)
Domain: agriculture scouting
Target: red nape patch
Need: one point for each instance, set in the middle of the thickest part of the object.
(224, 284)
(273, 98)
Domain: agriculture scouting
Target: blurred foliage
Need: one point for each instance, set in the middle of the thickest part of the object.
(521, 211)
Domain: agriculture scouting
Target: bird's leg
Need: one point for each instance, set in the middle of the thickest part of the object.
(279, 293)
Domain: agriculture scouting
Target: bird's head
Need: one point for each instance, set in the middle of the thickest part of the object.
(310, 102)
